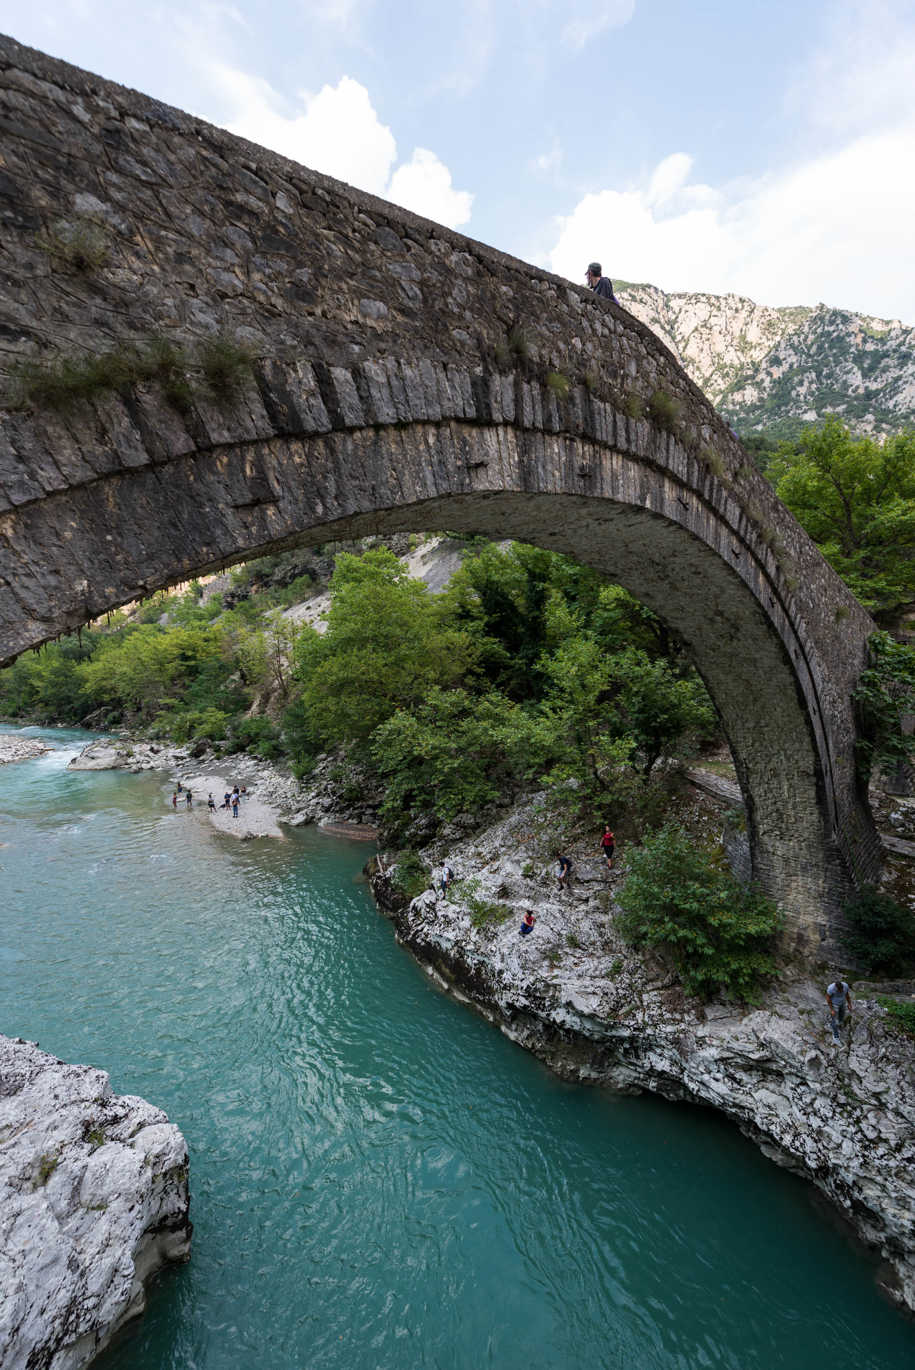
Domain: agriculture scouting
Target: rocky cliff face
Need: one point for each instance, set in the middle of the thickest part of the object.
(574, 994)
(93, 1201)
(776, 369)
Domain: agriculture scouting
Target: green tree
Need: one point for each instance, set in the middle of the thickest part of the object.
(597, 701)
(884, 699)
(137, 670)
(855, 496)
(386, 646)
(47, 684)
(453, 753)
(681, 899)
(882, 933)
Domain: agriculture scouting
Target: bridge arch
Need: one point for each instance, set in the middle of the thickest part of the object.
(401, 377)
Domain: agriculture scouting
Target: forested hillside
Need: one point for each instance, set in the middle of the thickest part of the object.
(775, 370)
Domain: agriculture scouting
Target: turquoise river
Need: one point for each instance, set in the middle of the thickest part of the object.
(380, 1180)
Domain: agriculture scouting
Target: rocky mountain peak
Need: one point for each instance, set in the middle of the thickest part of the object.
(777, 368)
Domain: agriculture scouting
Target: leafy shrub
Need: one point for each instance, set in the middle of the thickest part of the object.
(79, 245)
(410, 876)
(883, 697)
(224, 363)
(882, 936)
(257, 735)
(454, 753)
(558, 384)
(681, 899)
(902, 1016)
(193, 725)
(664, 410)
(483, 912)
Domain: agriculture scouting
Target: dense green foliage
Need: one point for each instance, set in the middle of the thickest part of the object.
(385, 647)
(528, 669)
(192, 678)
(901, 1016)
(882, 936)
(884, 698)
(681, 899)
(855, 496)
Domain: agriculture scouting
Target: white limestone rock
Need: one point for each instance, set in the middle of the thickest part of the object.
(578, 997)
(761, 365)
(13, 747)
(93, 1201)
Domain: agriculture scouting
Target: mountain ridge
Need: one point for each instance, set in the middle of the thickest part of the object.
(775, 368)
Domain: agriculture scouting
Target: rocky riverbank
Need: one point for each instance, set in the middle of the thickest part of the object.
(15, 747)
(93, 1201)
(574, 994)
(273, 795)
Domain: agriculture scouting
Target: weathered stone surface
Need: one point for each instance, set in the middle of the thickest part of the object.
(573, 993)
(438, 413)
(15, 748)
(93, 1201)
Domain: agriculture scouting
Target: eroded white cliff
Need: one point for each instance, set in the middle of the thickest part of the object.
(573, 993)
(93, 1201)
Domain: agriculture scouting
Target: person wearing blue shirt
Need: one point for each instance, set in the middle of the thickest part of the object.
(599, 283)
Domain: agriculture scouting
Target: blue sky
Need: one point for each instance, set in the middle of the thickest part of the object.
(762, 149)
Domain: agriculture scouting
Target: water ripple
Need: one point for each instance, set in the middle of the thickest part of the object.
(380, 1180)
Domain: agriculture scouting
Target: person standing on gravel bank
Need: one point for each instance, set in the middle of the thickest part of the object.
(838, 997)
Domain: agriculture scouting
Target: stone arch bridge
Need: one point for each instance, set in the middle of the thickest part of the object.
(400, 377)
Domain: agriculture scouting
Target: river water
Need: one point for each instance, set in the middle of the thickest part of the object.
(379, 1179)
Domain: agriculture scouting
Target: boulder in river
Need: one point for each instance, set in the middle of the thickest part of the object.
(93, 1201)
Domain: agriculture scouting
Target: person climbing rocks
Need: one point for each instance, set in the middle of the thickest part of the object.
(838, 997)
(563, 870)
(608, 847)
(599, 283)
(527, 922)
(445, 879)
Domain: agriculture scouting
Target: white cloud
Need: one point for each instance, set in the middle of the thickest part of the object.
(547, 163)
(424, 185)
(587, 19)
(835, 228)
(860, 77)
(669, 177)
(338, 131)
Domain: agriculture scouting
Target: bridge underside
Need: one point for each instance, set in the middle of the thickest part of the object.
(138, 532)
(396, 375)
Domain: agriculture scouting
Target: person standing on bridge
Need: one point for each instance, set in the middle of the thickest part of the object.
(599, 283)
